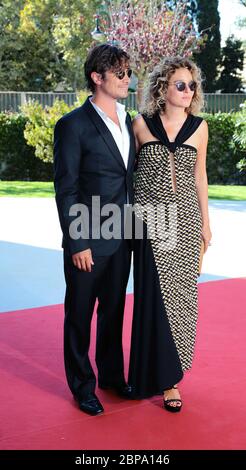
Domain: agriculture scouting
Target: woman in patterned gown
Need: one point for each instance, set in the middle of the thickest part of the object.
(171, 182)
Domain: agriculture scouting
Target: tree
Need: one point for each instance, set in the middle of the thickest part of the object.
(241, 22)
(208, 22)
(65, 27)
(44, 43)
(28, 55)
(9, 21)
(148, 31)
(42, 65)
(230, 80)
(72, 28)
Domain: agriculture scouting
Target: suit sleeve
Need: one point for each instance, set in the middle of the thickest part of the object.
(67, 161)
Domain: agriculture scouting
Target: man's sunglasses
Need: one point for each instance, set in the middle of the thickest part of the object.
(121, 74)
(180, 85)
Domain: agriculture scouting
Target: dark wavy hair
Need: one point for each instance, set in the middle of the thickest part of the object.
(156, 89)
(103, 58)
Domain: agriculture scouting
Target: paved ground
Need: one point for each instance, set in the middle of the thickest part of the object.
(31, 272)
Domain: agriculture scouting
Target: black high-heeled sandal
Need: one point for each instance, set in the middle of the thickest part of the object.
(167, 402)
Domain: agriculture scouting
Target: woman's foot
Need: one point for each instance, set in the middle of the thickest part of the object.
(172, 400)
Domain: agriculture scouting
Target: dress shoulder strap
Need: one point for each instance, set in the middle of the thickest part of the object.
(156, 128)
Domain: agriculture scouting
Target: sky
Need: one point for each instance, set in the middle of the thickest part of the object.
(229, 11)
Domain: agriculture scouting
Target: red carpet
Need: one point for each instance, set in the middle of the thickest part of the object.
(38, 412)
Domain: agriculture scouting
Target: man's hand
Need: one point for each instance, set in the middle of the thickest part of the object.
(83, 260)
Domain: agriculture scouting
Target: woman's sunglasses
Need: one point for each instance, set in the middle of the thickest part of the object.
(121, 74)
(180, 85)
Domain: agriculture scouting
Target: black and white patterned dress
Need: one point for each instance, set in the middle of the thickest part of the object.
(166, 260)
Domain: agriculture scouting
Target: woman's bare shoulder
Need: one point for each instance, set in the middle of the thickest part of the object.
(204, 126)
(138, 122)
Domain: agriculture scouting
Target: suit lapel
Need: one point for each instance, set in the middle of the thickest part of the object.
(104, 132)
(132, 149)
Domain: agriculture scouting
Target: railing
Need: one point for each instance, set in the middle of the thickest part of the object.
(223, 102)
(215, 102)
(12, 100)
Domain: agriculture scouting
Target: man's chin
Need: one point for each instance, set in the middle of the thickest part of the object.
(124, 95)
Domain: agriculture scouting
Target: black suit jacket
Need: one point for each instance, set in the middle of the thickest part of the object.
(87, 162)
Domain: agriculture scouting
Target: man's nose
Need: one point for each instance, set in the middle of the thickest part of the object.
(126, 80)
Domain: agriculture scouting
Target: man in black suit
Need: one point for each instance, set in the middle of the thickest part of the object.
(94, 153)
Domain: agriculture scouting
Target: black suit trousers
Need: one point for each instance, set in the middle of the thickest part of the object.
(107, 282)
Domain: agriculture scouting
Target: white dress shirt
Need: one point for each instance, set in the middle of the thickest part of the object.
(120, 134)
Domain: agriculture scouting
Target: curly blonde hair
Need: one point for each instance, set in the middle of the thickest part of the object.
(155, 91)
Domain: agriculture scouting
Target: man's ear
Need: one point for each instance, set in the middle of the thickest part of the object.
(96, 77)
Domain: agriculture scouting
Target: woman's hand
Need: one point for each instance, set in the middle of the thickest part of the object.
(206, 235)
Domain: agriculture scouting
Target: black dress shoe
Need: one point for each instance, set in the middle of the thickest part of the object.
(90, 404)
(123, 390)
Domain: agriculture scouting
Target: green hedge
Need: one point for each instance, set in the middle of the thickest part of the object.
(18, 160)
(39, 130)
(223, 152)
(240, 136)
